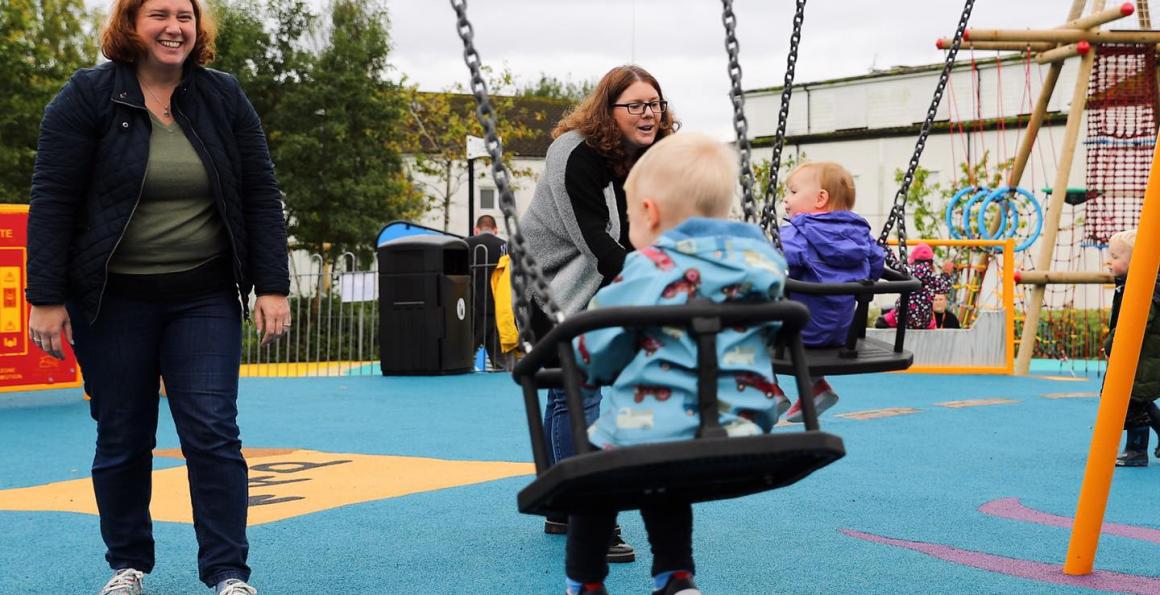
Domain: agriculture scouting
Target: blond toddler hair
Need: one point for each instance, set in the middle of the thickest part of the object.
(834, 179)
(687, 169)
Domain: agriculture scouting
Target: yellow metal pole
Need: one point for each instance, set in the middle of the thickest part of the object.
(1097, 478)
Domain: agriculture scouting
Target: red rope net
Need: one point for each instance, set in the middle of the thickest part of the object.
(1121, 134)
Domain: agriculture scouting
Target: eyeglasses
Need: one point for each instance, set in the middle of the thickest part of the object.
(637, 108)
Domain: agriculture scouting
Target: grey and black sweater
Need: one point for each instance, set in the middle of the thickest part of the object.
(576, 226)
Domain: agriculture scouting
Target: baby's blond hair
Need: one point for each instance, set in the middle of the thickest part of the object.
(834, 179)
(687, 168)
(1126, 237)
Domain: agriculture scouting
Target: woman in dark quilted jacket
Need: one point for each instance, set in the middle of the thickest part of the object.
(154, 214)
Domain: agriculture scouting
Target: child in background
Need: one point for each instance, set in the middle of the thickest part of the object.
(919, 308)
(826, 242)
(1142, 410)
(679, 195)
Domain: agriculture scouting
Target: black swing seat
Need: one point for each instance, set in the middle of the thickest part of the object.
(708, 467)
(859, 355)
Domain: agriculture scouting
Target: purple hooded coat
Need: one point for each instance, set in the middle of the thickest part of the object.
(831, 247)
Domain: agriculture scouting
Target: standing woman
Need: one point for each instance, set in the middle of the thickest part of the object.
(577, 225)
(154, 213)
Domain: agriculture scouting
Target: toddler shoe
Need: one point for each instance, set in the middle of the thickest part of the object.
(1132, 458)
(824, 398)
(782, 404)
(680, 583)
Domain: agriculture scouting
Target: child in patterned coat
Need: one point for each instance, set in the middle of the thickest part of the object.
(678, 196)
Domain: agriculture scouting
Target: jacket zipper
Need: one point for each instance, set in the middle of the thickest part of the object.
(219, 201)
(136, 203)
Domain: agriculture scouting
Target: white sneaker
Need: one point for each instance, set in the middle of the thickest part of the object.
(233, 586)
(126, 581)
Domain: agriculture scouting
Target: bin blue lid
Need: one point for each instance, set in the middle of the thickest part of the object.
(402, 229)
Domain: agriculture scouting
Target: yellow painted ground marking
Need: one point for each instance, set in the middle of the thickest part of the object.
(299, 369)
(1061, 378)
(284, 484)
(877, 413)
(976, 403)
(1081, 395)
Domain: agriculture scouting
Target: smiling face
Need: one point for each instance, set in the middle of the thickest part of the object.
(1119, 255)
(638, 131)
(939, 305)
(168, 30)
(804, 193)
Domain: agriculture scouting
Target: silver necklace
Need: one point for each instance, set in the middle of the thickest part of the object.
(164, 108)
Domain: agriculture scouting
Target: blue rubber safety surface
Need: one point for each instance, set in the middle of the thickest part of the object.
(900, 514)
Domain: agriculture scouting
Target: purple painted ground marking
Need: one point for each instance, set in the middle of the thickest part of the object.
(1011, 508)
(1099, 580)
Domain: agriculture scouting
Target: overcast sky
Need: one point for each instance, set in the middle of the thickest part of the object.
(682, 41)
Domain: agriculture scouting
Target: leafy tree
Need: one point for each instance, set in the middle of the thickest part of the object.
(438, 126)
(331, 115)
(553, 88)
(761, 172)
(41, 43)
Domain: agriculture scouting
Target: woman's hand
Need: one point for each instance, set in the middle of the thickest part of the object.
(272, 317)
(48, 327)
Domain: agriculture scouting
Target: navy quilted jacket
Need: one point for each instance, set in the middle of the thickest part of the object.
(90, 167)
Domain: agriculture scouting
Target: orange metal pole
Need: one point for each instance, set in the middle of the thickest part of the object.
(1009, 303)
(1097, 479)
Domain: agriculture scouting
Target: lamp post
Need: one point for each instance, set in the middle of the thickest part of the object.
(476, 148)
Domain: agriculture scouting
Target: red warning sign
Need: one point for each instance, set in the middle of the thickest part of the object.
(23, 366)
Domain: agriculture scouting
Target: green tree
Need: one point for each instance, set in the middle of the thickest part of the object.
(438, 126)
(761, 172)
(553, 88)
(331, 115)
(337, 153)
(41, 43)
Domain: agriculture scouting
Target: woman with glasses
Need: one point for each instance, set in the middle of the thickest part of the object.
(577, 226)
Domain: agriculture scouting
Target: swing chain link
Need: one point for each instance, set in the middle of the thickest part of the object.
(769, 214)
(898, 210)
(524, 266)
(740, 124)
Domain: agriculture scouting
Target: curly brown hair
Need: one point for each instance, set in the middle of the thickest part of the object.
(593, 116)
(120, 42)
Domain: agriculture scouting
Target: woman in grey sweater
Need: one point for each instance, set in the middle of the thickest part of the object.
(577, 224)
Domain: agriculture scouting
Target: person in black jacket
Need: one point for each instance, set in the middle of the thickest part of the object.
(485, 248)
(154, 214)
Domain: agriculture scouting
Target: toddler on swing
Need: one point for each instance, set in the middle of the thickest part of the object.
(679, 195)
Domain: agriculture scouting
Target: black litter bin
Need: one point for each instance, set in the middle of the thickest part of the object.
(425, 305)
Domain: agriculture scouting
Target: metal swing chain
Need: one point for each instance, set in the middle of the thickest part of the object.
(898, 210)
(740, 124)
(769, 214)
(524, 266)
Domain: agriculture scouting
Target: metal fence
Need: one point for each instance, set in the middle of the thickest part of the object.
(335, 331)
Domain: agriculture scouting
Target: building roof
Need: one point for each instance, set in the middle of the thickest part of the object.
(893, 71)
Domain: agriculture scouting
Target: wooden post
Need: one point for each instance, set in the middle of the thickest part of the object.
(1099, 18)
(1062, 36)
(1055, 209)
(1064, 277)
(1097, 478)
(1012, 46)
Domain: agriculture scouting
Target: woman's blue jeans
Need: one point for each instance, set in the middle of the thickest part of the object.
(558, 422)
(195, 345)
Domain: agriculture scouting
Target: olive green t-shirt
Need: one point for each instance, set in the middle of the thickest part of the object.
(176, 225)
